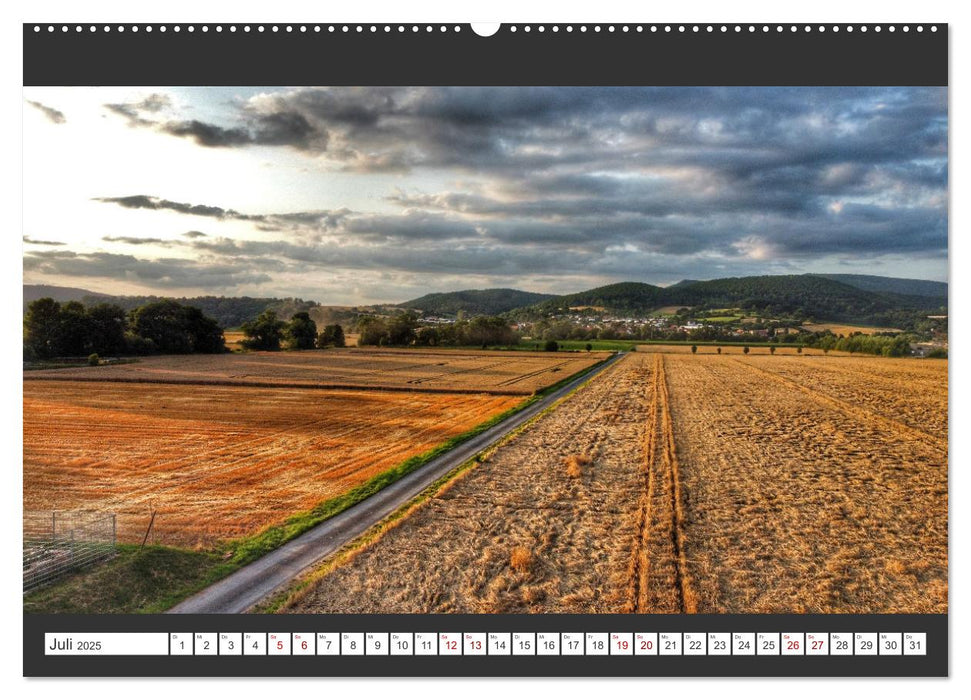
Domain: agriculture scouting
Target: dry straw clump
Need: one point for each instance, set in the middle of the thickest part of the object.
(575, 464)
(521, 559)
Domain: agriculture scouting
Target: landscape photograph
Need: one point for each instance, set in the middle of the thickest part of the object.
(333, 350)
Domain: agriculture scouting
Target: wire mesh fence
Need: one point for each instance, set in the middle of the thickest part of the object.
(57, 542)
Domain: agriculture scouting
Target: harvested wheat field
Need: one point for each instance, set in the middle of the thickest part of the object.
(221, 462)
(686, 483)
(848, 329)
(912, 392)
(234, 339)
(513, 373)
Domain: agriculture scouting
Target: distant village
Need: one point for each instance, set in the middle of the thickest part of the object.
(605, 326)
(714, 325)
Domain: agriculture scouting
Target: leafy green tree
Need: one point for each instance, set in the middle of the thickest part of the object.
(137, 345)
(301, 332)
(551, 346)
(401, 329)
(175, 329)
(162, 323)
(205, 335)
(372, 330)
(74, 331)
(561, 330)
(772, 350)
(745, 349)
(427, 336)
(694, 349)
(589, 347)
(490, 330)
(106, 328)
(263, 333)
(42, 328)
(331, 336)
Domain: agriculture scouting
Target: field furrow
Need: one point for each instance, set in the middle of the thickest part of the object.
(687, 600)
(638, 599)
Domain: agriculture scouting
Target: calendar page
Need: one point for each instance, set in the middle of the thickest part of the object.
(470, 350)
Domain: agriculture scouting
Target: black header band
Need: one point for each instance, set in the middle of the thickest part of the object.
(380, 54)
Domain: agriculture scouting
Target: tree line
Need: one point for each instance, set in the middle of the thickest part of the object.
(72, 329)
(269, 332)
(404, 329)
(877, 344)
(52, 329)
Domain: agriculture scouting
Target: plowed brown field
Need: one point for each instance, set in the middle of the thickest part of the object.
(686, 483)
(221, 462)
(514, 373)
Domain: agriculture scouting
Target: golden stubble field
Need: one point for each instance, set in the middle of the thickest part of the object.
(686, 483)
(848, 329)
(514, 373)
(219, 462)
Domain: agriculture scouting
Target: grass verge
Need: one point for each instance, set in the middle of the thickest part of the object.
(137, 580)
(153, 579)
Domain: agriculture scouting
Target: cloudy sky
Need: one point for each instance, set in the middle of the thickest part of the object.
(364, 195)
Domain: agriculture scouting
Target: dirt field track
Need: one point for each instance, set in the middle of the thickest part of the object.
(223, 461)
(519, 373)
(686, 483)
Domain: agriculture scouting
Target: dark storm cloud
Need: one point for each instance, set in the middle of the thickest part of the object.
(538, 128)
(55, 116)
(135, 240)
(308, 221)
(475, 259)
(32, 241)
(408, 226)
(274, 129)
(142, 112)
(208, 134)
(865, 231)
(641, 183)
(141, 201)
(162, 273)
(281, 127)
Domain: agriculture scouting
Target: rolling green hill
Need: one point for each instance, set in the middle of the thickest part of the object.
(804, 296)
(33, 292)
(475, 302)
(622, 297)
(894, 285)
(800, 295)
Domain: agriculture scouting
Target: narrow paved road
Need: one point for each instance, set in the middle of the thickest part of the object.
(244, 588)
